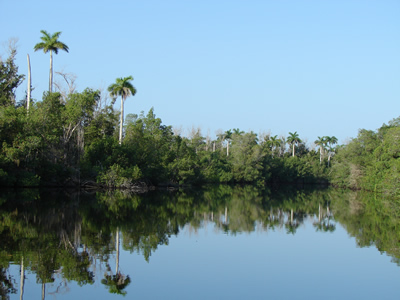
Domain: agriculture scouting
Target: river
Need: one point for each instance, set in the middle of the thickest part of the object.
(217, 242)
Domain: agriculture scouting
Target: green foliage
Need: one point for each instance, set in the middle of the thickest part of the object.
(9, 79)
(370, 161)
(117, 176)
(246, 158)
(70, 139)
(50, 42)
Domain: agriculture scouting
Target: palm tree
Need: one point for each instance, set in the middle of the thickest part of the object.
(274, 142)
(228, 137)
(321, 142)
(331, 152)
(293, 139)
(238, 131)
(50, 43)
(122, 87)
(331, 140)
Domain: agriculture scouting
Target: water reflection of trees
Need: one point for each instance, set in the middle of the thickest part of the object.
(76, 235)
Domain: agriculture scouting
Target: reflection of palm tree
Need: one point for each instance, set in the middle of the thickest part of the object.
(323, 223)
(22, 280)
(118, 282)
(117, 248)
(292, 225)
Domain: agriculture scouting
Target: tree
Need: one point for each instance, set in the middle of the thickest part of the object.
(274, 142)
(293, 139)
(246, 158)
(122, 87)
(50, 43)
(237, 131)
(228, 137)
(330, 140)
(9, 78)
(321, 142)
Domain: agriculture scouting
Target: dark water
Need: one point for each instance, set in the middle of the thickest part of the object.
(214, 243)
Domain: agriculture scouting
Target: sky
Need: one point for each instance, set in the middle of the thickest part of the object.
(320, 68)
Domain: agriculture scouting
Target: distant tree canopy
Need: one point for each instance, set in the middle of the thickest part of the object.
(74, 138)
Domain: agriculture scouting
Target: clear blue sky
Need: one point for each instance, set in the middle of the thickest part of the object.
(315, 67)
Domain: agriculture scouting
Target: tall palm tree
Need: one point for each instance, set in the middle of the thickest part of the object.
(321, 142)
(50, 43)
(228, 137)
(293, 139)
(331, 140)
(273, 142)
(238, 131)
(122, 87)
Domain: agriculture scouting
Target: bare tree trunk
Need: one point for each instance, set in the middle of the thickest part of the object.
(28, 96)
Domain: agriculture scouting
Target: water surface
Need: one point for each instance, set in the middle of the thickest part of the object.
(215, 243)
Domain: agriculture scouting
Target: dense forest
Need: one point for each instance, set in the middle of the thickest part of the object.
(71, 138)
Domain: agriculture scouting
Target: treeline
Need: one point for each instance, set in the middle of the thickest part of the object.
(78, 138)
(370, 161)
(72, 138)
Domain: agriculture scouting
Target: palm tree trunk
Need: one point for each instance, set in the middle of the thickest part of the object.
(320, 155)
(122, 120)
(293, 149)
(28, 96)
(227, 149)
(51, 72)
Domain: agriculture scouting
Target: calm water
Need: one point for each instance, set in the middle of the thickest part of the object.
(215, 243)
